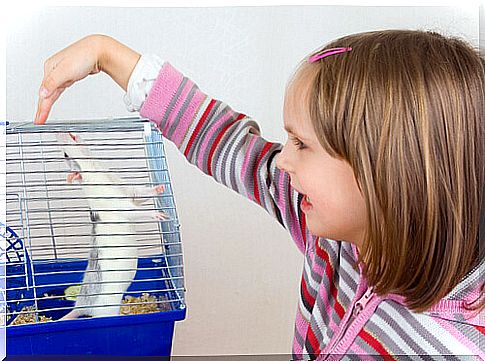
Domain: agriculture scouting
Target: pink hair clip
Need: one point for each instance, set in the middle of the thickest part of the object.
(328, 52)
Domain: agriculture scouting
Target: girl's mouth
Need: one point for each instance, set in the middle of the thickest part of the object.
(306, 204)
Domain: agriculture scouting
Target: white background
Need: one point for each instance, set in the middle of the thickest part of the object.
(242, 269)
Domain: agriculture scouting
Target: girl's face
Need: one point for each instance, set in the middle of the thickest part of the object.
(332, 203)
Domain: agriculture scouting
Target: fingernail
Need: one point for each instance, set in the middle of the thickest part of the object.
(43, 92)
(38, 117)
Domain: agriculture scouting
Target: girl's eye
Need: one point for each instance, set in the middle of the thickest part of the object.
(298, 143)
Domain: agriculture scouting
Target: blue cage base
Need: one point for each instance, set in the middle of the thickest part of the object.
(132, 335)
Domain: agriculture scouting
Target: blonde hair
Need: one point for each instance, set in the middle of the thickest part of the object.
(406, 110)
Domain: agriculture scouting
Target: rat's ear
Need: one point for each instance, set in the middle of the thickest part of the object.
(77, 138)
(63, 138)
(73, 136)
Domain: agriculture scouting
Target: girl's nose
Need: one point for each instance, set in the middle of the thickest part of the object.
(282, 161)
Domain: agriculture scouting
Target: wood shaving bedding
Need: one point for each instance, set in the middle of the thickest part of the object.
(143, 304)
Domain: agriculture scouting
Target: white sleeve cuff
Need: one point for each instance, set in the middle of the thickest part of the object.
(141, 81)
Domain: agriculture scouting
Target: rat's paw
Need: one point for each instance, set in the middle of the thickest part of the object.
(68, 138)
(71, 177)
(71, 315)
(161, 216)
(63, 138)
(159, 189)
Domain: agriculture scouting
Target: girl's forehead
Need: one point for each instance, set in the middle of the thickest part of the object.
(297, 97)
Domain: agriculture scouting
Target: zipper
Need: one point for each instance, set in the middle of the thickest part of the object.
(356, 311)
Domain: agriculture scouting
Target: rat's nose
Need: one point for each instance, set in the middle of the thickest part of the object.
(66, 156)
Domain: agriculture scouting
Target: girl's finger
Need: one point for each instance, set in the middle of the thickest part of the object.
(60, 77)
(44, 106)
(50, 84)
(53, 84)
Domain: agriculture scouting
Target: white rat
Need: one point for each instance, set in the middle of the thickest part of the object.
(113, 256)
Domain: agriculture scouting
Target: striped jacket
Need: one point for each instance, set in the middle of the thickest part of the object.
(338, 315)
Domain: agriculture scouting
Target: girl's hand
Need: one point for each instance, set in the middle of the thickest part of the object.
(89, 55)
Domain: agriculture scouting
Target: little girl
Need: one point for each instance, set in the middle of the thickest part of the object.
(379, 184)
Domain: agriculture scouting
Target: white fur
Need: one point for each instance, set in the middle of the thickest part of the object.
(118, 264)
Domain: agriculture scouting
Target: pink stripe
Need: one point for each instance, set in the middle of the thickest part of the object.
(244, 168)
(320, 270)
(215, 127)
(294, 226)
(333, 326)
(178, 104)
(297, 349)
(396, 298)
(162, 92)
(187, 118)
(355, 348)
(474, 294)
(301, 323)
(284, 206)
(448, 326)
(323, 293)
(450, 308)
(356, 256)
(301, 327)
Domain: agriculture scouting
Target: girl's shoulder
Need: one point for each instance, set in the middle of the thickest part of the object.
(424, 333)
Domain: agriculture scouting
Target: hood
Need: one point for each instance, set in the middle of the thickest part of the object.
(455, 306)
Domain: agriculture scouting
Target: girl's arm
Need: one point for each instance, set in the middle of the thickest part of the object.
(224, 144)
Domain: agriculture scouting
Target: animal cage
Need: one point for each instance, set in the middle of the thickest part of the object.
(51, 235)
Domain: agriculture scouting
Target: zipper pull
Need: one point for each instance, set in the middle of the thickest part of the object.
(364, 300)
(358, 307)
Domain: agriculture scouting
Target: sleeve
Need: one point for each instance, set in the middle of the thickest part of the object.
(226, 145)
(141, 81)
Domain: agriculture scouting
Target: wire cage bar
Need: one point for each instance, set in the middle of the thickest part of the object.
(51, 237)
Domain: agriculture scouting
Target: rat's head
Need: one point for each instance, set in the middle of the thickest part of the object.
(73, 165)
(73, 149)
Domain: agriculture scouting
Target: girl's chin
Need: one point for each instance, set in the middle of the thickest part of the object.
(318, 230)
(315, 229)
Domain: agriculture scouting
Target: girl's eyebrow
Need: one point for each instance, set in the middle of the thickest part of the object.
(291, 131)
